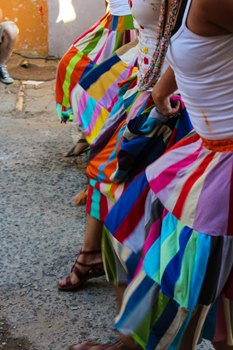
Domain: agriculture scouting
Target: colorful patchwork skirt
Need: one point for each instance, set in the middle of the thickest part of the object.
(93, 98)
(103, 192)
(132, 137)
(89, 50)
(170, 238)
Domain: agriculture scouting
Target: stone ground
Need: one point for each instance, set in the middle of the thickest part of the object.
(40, 230)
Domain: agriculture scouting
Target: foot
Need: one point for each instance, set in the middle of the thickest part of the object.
(4, 76)
(80, 147)
(87, 265)
(80, 198)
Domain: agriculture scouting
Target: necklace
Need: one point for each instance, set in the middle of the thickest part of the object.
(164, 33)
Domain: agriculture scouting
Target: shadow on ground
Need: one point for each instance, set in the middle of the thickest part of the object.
(7, 342)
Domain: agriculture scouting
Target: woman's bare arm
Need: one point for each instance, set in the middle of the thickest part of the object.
(211, 17)
(220, 13)
(163, 91)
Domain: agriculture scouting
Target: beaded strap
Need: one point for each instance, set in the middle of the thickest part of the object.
(163, 37)
(225, 145)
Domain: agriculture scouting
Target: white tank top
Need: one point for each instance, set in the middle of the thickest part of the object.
(119, 7)
(204, 73)
(146, 17)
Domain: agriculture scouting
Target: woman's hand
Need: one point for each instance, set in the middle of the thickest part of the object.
(165, 106)
(162, 93)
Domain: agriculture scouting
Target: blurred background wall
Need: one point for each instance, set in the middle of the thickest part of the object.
(48, 27)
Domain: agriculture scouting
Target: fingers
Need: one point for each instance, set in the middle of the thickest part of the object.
(176, 108)
(166, 108)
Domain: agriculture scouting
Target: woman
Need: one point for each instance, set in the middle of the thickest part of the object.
(183, 289)
(89, 50)
(107, 178)
(180, 289)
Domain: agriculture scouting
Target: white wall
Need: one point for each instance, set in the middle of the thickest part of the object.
(68, 28)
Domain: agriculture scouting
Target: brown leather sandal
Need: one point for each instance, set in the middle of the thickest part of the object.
(95, 270)
(73, 153)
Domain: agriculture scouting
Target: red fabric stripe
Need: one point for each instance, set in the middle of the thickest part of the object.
(78, 72)
(160, 181)
(89, 199)
(61, 73)
(103, 204)
(132, 220)
(220, 327)
(177, 211)
(185, 141)
(103, 207)
(230, 214)
(228, 289)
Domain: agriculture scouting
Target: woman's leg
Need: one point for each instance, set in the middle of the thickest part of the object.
(7, 41)
(8, 35)
(187, 341)
(119, 294)
(78, 149)
(91, 249)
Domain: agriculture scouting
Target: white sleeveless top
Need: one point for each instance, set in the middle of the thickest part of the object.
(204, 73)
(146, 17)
(119, 7)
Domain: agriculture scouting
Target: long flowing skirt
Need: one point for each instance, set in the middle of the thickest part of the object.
(89, 50)
(173, 245)
(106, 169)
(93, 98)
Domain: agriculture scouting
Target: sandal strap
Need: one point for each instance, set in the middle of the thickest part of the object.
(82, 140)
(89, 252)
(84, 252)
(78, 272)
(89, 265)
(92, 267)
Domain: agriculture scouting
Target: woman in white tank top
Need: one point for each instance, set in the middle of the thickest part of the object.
(194, 181)
(183, 290)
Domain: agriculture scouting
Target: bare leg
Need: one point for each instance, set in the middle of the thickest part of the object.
(187, 341)
(92, 242)
(7, 41)
(79, 148)
(119, 294)
(129, 343)
(8, 35)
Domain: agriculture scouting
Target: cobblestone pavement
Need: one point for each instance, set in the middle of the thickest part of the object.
(40, 230)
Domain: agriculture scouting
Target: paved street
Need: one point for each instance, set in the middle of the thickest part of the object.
(40, 230)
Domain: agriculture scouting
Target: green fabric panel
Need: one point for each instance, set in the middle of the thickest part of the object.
(67, 81)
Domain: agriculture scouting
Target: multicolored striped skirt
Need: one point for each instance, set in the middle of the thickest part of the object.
(151, 137)
(103, 191)
(95, 95)
(173, 244)
(89, 50)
